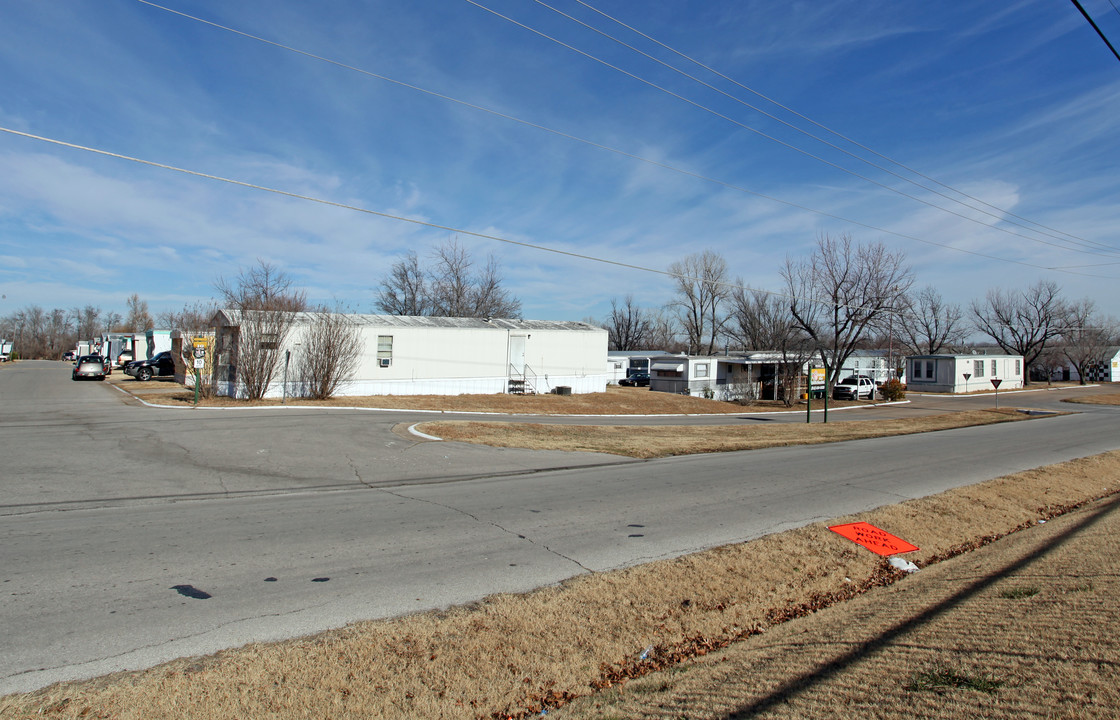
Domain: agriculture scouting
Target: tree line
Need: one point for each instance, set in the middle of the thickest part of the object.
(843, 297)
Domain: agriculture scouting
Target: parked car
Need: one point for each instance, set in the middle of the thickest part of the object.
(89, 367)
(635, 380)
(124, 358)
(854, 387)
(70, 355)
(159, 365)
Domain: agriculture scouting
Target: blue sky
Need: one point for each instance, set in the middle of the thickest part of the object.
(1017, 104)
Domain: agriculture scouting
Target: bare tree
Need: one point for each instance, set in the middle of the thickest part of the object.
(192, 318)
(38, 333)
(87, 321)
(451, 288)
(702, 287)
(1087, 338)
(763, 321)
(628, 326)
(330, 349)
(59, 334)
(664, 333)
(405, 290)
(1022, 322)
(138, 318)
(928, 325)
(840, 290)
(112, 320)
(261, 287)
(490, 297)
(266, 305)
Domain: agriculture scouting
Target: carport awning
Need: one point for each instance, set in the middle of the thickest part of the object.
(671, 367)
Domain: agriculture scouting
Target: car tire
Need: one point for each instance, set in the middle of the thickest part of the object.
(144, 374)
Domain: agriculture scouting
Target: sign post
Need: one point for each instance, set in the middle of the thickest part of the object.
(966, 377)
(809, 396)
(287, 361)
(199, 363)
(826, 394)
(995, 384)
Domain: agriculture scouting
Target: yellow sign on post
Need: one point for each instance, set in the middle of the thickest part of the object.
(201, 347)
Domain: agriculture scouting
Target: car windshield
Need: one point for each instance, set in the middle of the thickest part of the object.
(849, 381)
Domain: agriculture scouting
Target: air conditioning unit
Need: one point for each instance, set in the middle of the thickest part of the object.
(384, 362)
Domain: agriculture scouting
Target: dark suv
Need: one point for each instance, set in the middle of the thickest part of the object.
(161, 364)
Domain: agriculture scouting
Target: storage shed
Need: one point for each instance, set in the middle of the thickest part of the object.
(419, 355)
(946, 373)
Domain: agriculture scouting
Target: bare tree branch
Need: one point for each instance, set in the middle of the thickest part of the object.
(701, 283)
(928, 325)
(330, 349)
(840, 290)
(628, 326)
(1022, 322)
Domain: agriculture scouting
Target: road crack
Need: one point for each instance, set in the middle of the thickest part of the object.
(492, 524)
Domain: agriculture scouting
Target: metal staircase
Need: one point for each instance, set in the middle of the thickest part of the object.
(521, 383)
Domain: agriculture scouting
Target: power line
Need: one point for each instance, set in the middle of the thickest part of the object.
(831, 131)
(462, 231)
(1001, 217)
(1100, 32)
(771, 137)
(607, 148)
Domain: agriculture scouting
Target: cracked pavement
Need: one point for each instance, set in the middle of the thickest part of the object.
(301, 520)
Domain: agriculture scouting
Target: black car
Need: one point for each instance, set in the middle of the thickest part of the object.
(635, 380)
(159, 365)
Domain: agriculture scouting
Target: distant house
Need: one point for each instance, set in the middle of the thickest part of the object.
(404, 355)
(624, 363)
(876, 364)
(1107, 369)
(742, 376)
(947, 373)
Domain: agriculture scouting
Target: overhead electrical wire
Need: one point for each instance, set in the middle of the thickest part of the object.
(817, 124)
(1000, 217)
(1096, 27)
(463, 231)
(783, 143)
(608, 148)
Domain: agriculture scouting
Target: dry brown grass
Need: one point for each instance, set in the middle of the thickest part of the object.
(667, 440)
(1100, 399)
(615, 401)
(511, 655)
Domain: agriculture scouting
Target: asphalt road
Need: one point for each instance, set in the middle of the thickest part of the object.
(131, 535)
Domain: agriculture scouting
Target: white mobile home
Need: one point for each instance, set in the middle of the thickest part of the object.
(404, 355)
(963, 373)
(157, 341)
(749, 376)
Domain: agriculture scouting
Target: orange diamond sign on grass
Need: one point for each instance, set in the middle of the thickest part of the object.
(874, 539)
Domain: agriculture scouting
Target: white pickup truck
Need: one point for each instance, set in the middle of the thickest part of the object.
(854, 387)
